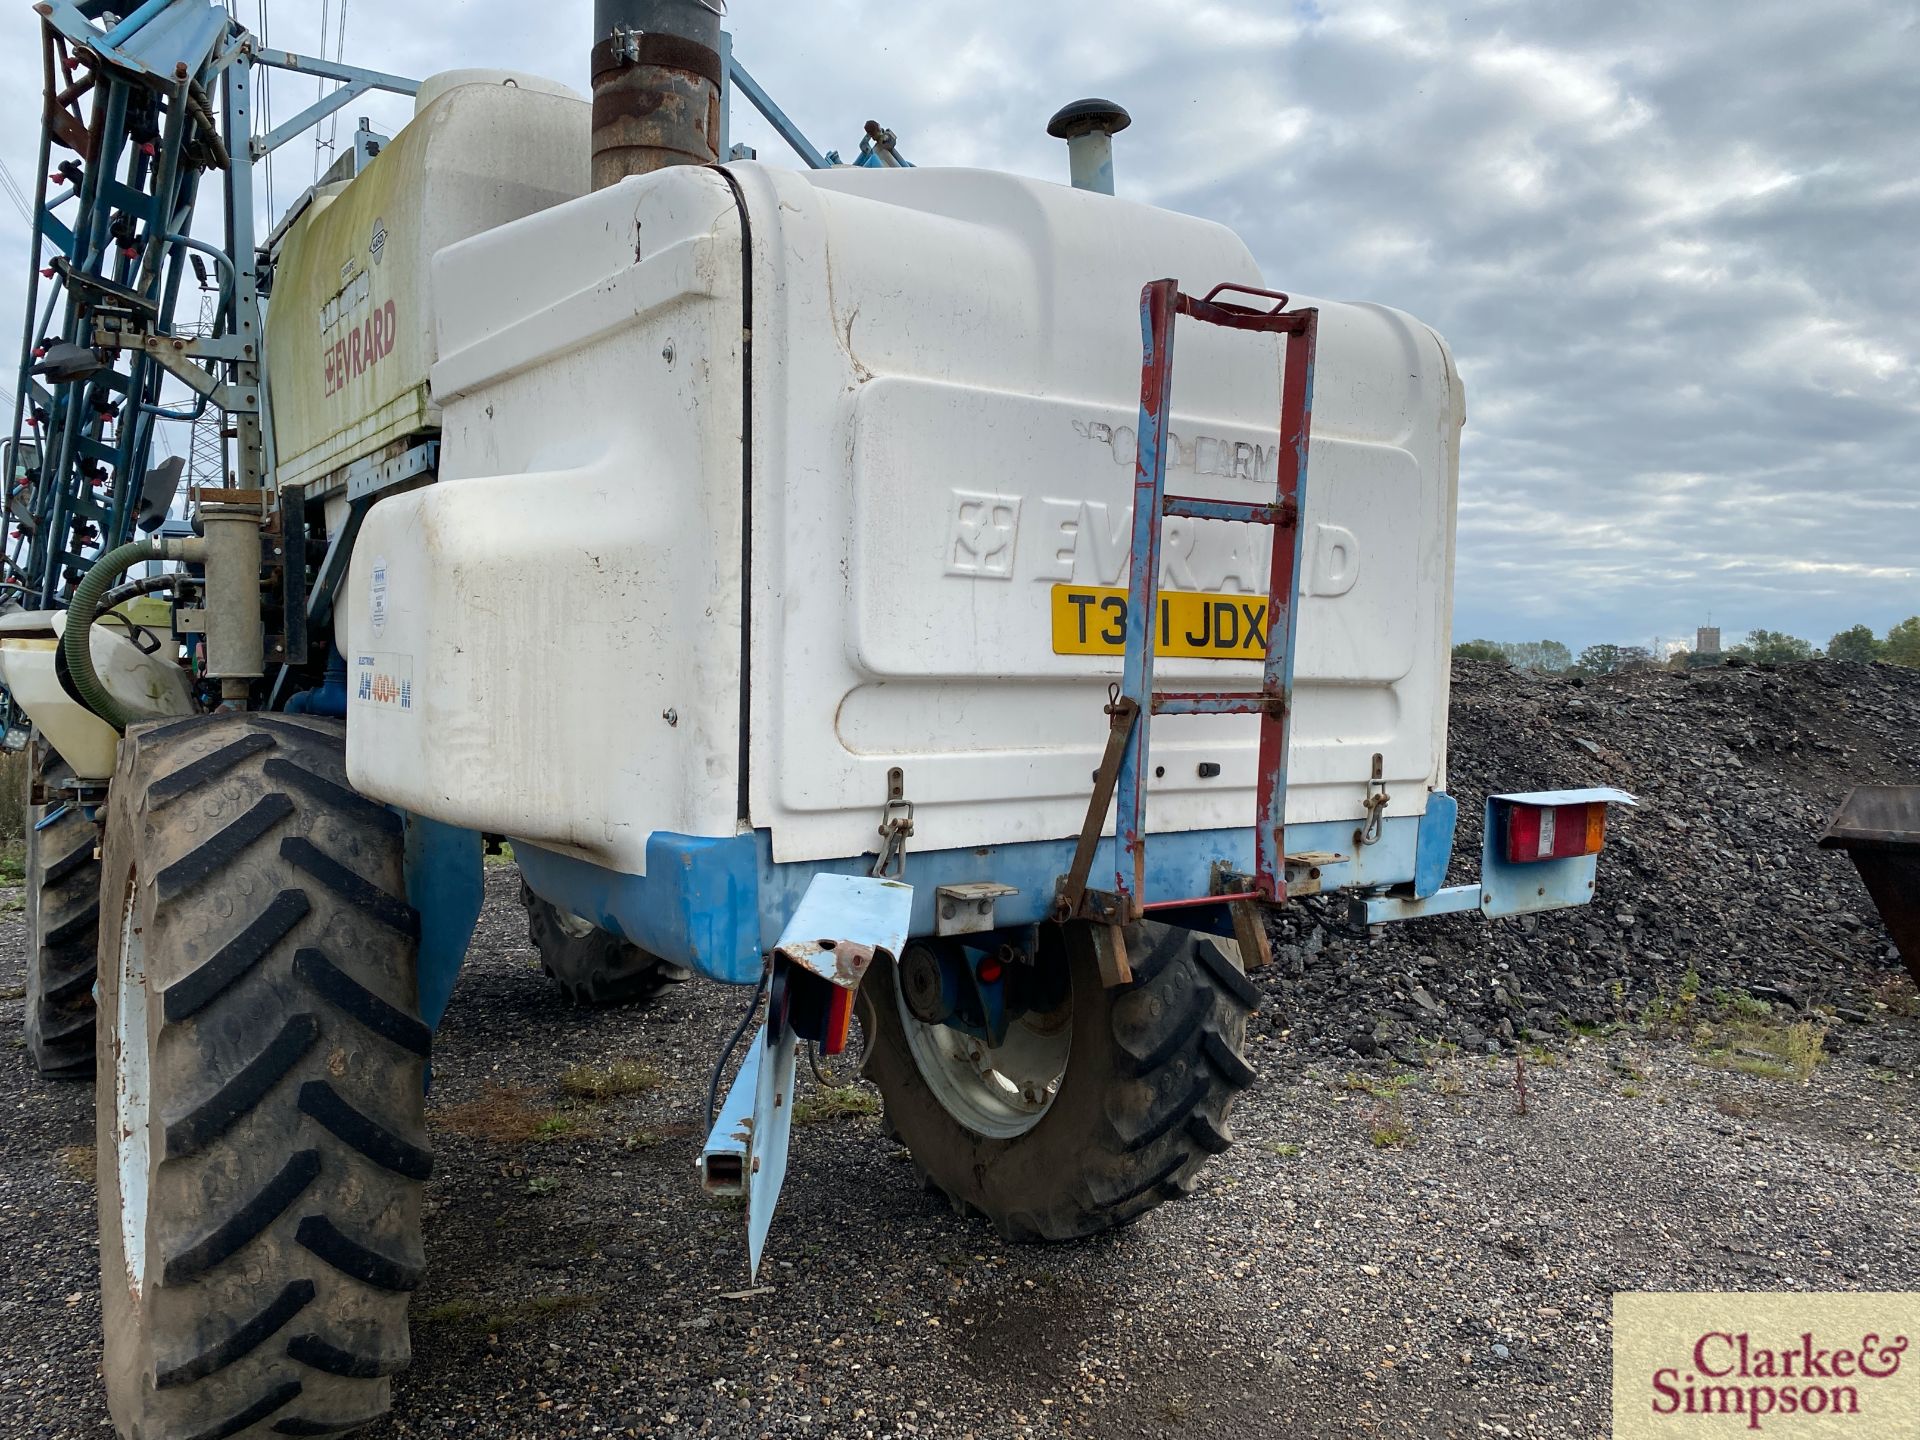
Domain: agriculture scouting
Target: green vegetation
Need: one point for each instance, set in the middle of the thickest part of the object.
(562, 1125)
(834, 1102)
(1385, 1087)
(1857, 643)
(1549, 657)
(1763, 1048)
(1902, 645)
(1388, 1126)
(611, 1082)
(1773, 647)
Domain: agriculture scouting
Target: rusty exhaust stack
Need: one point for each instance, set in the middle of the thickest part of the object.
(656, 86)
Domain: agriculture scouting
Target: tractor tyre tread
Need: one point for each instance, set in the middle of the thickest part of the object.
(63, 929)
(279, 1211)
(596, 969)
(1153, 1070)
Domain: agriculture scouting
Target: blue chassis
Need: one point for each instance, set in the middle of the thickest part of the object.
(719, 904)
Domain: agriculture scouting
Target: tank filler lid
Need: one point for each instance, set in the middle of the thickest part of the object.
(434, 86)
(1088, 117)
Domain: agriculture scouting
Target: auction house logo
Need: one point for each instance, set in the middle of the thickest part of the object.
(1785, 1365)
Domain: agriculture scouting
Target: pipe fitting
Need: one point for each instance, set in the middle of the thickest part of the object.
(1088, 126)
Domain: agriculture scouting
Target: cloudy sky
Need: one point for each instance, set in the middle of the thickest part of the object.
(1675, 247)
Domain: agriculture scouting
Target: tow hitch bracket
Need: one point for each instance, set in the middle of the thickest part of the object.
(842, 923)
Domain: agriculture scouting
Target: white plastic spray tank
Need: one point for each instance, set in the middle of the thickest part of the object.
(669, 585)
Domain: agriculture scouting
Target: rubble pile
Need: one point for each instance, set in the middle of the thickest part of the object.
(1713, 883)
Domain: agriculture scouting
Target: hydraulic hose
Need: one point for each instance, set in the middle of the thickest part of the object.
(76, 638)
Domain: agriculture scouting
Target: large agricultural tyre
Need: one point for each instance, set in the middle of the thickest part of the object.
(262, 1132)
(1083, 1119)
(591, 966)
(63, 924)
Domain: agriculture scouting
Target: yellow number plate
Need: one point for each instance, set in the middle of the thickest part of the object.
(1091, 620)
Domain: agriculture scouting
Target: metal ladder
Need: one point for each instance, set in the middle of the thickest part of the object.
(1123, 770)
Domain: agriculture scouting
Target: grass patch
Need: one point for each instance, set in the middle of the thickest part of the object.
(1388, 1125)
(543, 1184)
(1541, 1056)
(13, 863)
(1589, 1030)
(14, 992)
(562, 1125)
(1899, 995)
(1385, 1087)
(611, 1082)
(501, 856)
(835, 1102)
(77, 1162)
(488, 1318)
(1759, 1065)
(1285, 1149)
(1749, 1007)
(1764, 1048)
(503, 1115)
(1446, 1082)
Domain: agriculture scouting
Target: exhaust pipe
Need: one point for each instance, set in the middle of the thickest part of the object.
(656, 86)
(1088, 127)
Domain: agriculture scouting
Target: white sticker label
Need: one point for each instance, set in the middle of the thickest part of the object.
(383, 681)
(377, 596)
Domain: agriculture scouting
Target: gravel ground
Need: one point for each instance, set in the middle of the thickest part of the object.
(1327, 1278)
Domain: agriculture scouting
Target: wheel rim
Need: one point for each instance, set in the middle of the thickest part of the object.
(997, 1091)
(132, 1097)
(573, 925)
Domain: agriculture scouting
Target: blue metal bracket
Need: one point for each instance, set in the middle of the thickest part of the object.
(445, 884)
(843, 921)
(1505, 888)
(775, 116)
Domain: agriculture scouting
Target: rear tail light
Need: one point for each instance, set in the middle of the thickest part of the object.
(1554, 832)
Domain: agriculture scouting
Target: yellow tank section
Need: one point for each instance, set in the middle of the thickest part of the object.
(350, 327)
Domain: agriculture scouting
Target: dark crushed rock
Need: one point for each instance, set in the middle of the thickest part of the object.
(1716, 872)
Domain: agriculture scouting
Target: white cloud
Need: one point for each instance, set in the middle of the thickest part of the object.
(1671, 247)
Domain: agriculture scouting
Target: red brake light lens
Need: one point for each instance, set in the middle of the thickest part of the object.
(1554, 832)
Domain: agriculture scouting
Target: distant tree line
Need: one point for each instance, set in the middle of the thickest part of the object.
(1899, 646)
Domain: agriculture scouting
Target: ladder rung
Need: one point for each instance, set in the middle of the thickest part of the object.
(1192, 508)
(1209, 702)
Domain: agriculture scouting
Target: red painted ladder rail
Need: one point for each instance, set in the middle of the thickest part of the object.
(1123, 769)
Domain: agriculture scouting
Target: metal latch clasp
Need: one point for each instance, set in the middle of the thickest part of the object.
(896, 827)
(1375, 804)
